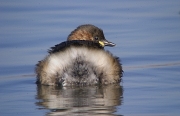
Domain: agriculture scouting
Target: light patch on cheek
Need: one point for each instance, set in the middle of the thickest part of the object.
(101, 43)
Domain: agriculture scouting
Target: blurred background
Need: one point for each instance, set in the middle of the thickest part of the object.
(147, 37)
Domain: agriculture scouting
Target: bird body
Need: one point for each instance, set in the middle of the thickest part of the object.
(80, 61)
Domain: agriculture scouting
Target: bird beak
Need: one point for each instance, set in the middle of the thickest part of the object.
(106, 43)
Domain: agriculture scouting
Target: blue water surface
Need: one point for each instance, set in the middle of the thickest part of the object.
(147, 37)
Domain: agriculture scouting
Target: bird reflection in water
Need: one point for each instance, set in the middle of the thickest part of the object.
(90, 100)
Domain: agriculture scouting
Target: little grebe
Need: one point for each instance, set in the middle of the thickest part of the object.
(81, 60)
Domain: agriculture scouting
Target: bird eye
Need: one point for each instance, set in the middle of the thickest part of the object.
(96, 38)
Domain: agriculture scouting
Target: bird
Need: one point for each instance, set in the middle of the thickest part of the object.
(81, 60)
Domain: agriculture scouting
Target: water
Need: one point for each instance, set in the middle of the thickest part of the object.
(147, 37)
